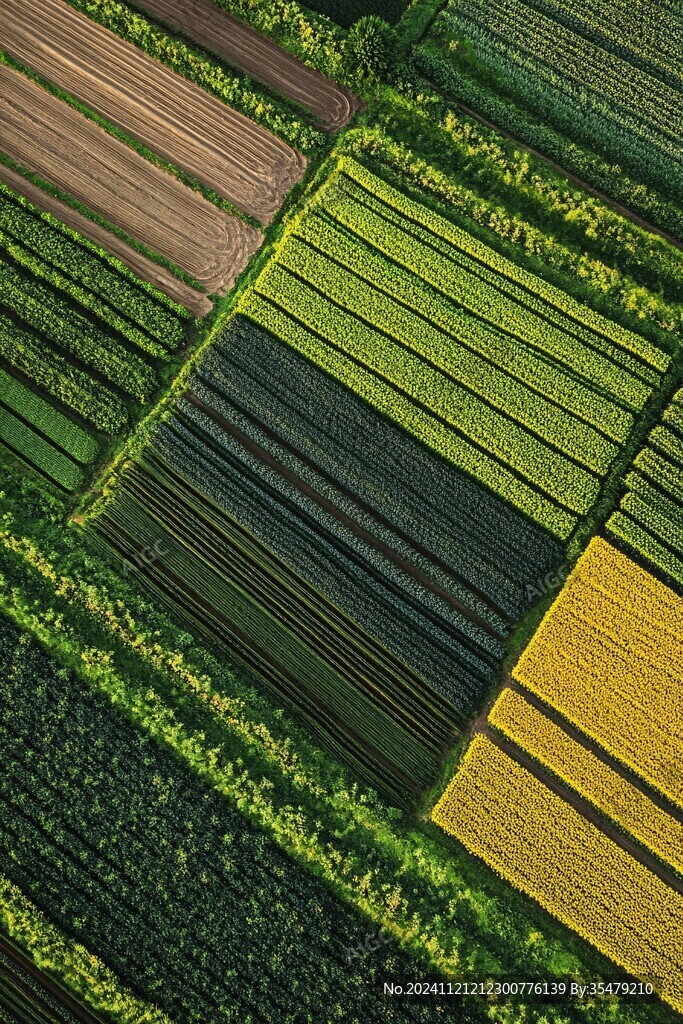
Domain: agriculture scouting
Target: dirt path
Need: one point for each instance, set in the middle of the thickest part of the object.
(186, 126)
(245, 48)
(197, 304)
(587, 811)
(50, 138)
(623, 210)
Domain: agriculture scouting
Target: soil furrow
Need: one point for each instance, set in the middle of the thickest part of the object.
(50, 138)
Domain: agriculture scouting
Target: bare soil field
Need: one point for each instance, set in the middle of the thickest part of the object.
(245, 48)
(186, 126)
(51, 139)
(195, 302)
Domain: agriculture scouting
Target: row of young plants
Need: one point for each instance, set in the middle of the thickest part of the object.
(360, 701)
(491, 173)
(120, 843)
(94, 269)
(238, 90)
(528, 833)
(617, 26)
(474, 546)
(70, 386)
(620, 178)
(440, 903)
(474, 333)
(571, 106)
(629, 807)
(605, 656)
(649, 519)
(44, 311)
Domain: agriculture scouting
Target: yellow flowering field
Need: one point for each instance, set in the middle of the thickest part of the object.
(528, 834)
(594, 780)
(609, 657)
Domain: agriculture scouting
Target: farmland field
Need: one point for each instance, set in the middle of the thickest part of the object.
(205, 23)
(608, 657)
(341, 514)
(502, 813)
(205, 138)
(71, 152)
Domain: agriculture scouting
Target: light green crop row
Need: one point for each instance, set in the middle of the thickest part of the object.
(545, 419)
(48, 420)
(69, 385)
(38, 452)
(417, 421)
(425, 217)
(512, 355)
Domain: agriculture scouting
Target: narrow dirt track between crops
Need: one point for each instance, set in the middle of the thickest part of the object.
(196, 303)
(186, 126)
(56, 991)
(245, 48)
(50, 138)
(587, 811)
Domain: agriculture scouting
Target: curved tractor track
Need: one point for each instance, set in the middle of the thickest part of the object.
(50, 138)
(250, 51)
(186, 126)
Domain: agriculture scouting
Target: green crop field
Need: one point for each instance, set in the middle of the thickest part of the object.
(341, 511)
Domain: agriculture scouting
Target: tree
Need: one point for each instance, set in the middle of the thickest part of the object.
(372, 48)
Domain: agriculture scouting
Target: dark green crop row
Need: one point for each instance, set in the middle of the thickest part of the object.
(92, 267)
(558, 142)
(45, 312)
(650, 516)
(70, 386)
(66, 434)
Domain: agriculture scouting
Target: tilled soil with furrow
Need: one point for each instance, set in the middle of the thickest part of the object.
(186, 126)
(51, 139)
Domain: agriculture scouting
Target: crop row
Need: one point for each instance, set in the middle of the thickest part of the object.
(365, 705)
(92, 268)
(43, 311)
(307, 524)
(103, 822)
(84, 298)
(607, 656)
(528, 834)
(411, 417)
(617, 25)
(650, 516)
(555, 750)
(520, 361)
(473, 545)
(545, 420)
(576, 107)
(47, 420)
(38, 452)
(526, 288)
(29, 354)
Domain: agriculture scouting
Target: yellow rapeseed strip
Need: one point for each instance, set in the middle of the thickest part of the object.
(536, 841)
(594, 780)
(609, 657)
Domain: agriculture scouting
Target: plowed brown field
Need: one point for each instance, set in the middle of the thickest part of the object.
(172, 117)
(50, 138)
(194, 301)
(246, 49)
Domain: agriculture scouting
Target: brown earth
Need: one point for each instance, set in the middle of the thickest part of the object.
(186, 126)
(51, 139)
(197, 304)
(250, 51)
